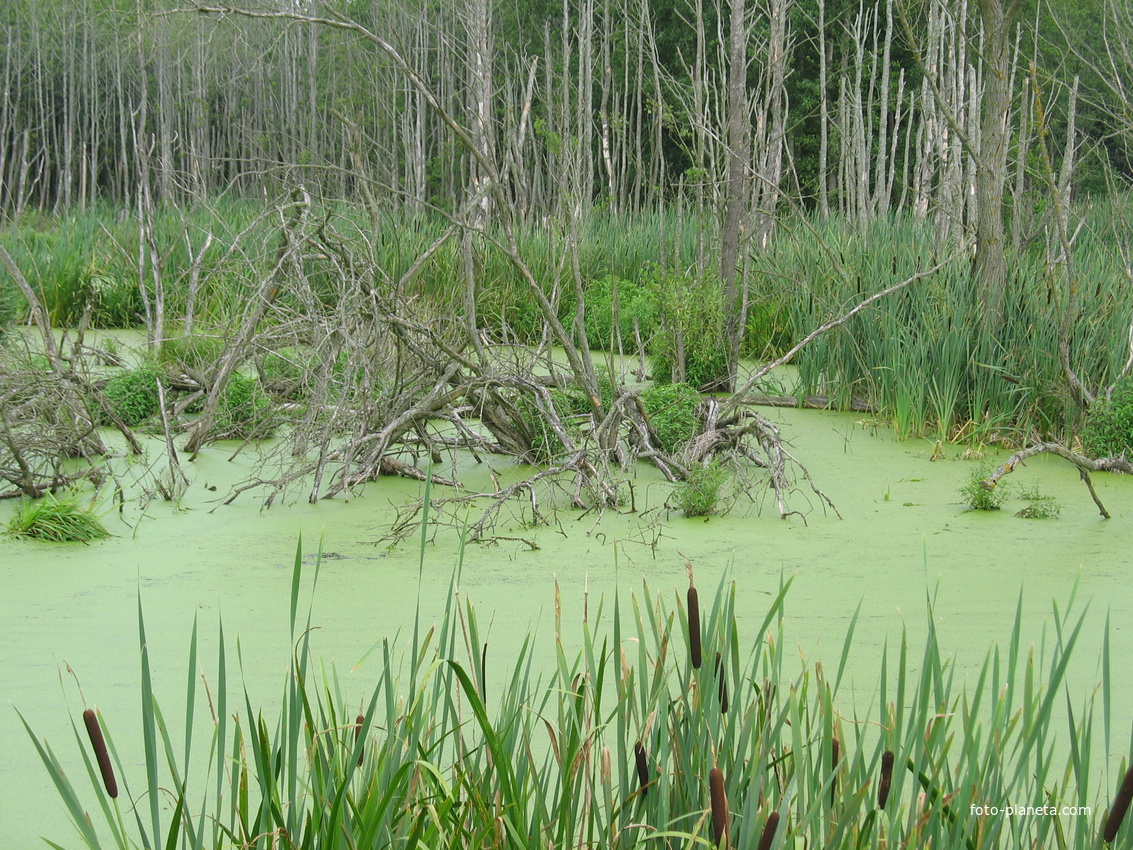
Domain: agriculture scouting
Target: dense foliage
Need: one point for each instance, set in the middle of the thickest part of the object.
(1109, 425)
(132, 395)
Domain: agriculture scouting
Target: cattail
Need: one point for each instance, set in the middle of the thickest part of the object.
(722, 679)
(94, 731)
(694, 626)
(1120, 807)
(835, 758)
(642, 767)
(719, 807)
(357, 733)
(886, 778)
(769, 831)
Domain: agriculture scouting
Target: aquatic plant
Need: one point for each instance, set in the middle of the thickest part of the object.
(57, 519)
(133, 395)
(613, 748)
(1039, 505)
(702, 490)
(979, 497)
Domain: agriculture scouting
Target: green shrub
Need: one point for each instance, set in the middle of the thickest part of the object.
(1039, 505)
(701, 492)
(57, 520)
(979, 498)
(1109, 423)
(691, 323)
(767, 333)
(673, 412)
(634, 303)
(244, 410)
(133, 395)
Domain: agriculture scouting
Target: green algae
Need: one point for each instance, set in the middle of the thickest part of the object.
(904, 536)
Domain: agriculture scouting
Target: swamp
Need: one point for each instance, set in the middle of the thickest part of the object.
(609, 424)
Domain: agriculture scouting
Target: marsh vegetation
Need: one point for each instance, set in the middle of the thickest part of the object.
(575, 247)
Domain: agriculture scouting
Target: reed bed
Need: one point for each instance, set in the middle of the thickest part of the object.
(620, 741)
(922, 358)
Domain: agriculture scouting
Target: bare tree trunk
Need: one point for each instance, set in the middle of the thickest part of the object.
(998, 17)
(736, 198)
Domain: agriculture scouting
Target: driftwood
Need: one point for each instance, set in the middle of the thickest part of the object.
(809, 402)
(1085, 465)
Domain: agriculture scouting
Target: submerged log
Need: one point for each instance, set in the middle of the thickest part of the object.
(809, 402)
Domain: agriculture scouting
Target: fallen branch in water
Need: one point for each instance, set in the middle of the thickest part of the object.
(1085, 465)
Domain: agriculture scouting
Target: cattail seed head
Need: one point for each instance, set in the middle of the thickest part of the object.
(642, 767)
(719, 807)
(694, 627)
(94, 732)
(835, 758)
(1120, 807)
(722, 681)
(886, 778)
(769, 830)
(357, 733)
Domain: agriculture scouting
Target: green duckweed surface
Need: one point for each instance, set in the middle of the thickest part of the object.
(904, 536)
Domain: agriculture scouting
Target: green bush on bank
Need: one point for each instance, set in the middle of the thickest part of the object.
(635, 306)
(689, 345)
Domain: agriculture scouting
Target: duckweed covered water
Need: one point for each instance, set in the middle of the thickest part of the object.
(905, 537)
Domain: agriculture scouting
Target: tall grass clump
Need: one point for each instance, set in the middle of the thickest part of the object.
(702, 490)
(979, 497)
(618, 739)
(922, 357)
(56, 519)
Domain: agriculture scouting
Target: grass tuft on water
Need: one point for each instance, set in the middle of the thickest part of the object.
(57, 520)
